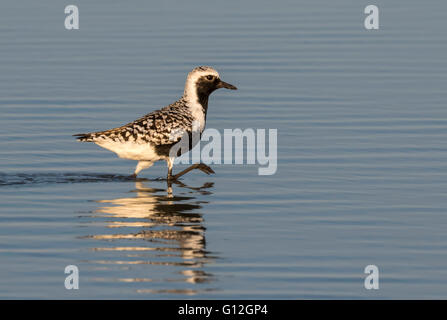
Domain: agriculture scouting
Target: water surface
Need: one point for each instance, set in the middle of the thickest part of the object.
(362, 151)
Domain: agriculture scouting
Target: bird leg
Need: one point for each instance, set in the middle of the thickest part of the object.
(201, 166)
(170, 162)
(140, 166)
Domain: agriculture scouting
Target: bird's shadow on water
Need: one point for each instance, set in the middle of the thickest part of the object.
(157, 234)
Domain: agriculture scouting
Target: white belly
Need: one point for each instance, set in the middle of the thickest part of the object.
(131, 150)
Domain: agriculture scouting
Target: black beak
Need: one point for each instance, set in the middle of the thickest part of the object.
(225, 85)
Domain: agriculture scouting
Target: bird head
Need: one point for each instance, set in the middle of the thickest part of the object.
(202, 81)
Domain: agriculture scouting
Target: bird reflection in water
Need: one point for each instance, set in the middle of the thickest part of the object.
(167, 233)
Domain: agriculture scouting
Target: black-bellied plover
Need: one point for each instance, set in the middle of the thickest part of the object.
(150, 138)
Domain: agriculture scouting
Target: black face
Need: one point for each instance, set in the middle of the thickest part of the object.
(207, 84)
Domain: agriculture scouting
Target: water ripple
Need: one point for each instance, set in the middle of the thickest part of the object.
(7, 179)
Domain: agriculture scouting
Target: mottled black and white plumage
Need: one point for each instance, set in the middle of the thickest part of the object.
(151, 137)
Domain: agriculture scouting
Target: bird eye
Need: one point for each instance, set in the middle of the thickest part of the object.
(210, 77)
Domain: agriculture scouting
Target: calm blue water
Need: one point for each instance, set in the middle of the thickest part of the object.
(362, 151)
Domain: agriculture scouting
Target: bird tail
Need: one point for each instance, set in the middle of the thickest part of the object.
(84, 137)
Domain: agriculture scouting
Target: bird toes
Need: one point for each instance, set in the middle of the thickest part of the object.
(204, 168)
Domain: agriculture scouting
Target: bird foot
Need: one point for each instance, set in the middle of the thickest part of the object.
(204, 168)
(201, 166)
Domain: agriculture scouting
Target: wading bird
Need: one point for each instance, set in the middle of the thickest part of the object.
(150, 138)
